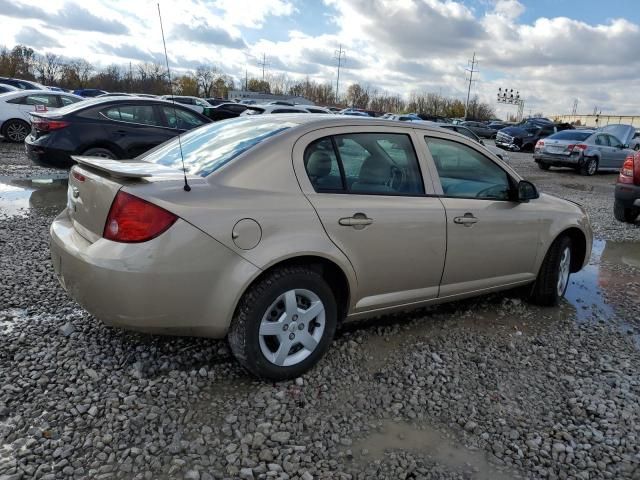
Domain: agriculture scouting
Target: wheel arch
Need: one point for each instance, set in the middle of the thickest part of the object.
(336, 278)
(579, 246)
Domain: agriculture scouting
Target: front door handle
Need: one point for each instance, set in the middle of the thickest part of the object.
(467, 220)
(358, 221)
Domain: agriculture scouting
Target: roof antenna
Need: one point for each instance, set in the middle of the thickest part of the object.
(186, 187)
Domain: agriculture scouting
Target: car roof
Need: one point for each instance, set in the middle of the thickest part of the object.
(97, 101)
(21, 93)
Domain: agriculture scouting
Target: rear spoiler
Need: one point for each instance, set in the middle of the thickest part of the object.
(127, 168)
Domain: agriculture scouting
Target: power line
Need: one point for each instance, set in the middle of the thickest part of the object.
(340, 56)
(471, 72)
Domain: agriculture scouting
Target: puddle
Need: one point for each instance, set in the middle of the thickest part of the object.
(19, 196)
(430, 443)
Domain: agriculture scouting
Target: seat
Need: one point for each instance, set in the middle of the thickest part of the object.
(375, 174)
(319, 166)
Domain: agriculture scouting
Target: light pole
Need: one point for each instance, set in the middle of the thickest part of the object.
(507, 96)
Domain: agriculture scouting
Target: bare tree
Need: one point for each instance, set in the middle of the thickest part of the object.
(206, 76)
(48, 68)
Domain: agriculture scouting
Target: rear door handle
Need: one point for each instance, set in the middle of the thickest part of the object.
(358, 221)
(467, 220)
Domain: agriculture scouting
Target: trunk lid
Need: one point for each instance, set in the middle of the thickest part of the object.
(555, 147)
(94, 183)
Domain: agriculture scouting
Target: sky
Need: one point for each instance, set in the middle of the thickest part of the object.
(553, 52)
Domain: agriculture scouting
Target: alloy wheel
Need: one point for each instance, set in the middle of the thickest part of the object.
(592, 166)
(17, 132)
(292, 327)
(564, 270)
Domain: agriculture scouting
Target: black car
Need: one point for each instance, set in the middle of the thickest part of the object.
(525, 135)
(110, 127)
(226, 110)
(89, 92)
(22, 84)
(626, 206)
(213, 101)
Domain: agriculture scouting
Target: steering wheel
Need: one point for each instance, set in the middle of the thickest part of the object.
(397, 179)
(484, 192)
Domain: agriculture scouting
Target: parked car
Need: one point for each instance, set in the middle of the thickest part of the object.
(587, 151)
(4, 88)
(196, 104)
(497, 126)
(525, 135)
(292, 225)
(89, 92)
(408, 117)
(57, 89)
(467, 132)
(353, 112)
(214, 101)
(282, 102)
(434, 118)
(626, 206)
(481, 129)
(110, 127)
(22, 84)
(116, 94)
(226, 110)
(316, 109)
(268, 109)
(15, 108)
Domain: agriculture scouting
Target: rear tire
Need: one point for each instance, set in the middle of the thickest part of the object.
(553, 277)
(625, 214)
(273, 338)
(100, 153)
(543, 166)
(590, 167)
(15, 130)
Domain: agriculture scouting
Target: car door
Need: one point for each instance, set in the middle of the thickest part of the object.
(617, 153)
(367, 187)
(492, 241)
(135, 128)
(602, 146)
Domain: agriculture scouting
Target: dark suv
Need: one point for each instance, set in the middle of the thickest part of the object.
(524, 136)
(626, 207)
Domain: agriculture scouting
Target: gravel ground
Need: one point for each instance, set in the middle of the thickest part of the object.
(490, 388)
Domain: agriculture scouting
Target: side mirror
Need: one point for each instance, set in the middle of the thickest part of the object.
(527, 191)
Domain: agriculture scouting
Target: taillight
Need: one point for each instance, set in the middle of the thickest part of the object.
(47, 125)
(539, 144)
(580, 147)
(630, 171)
(133, 220)
(78, 176)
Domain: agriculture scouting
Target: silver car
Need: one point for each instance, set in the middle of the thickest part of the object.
(280, 227)
(587, 151)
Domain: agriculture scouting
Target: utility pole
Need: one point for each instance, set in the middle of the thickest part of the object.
(340, 56)
(471, 72)
(574, 110)
(246, 80)
(263, 64)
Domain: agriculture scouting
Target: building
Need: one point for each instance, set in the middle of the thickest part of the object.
(266, 97)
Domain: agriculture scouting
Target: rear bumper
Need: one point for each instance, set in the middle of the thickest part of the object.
(627, 195)
(559, 160)
(182, 282)
(47, 157)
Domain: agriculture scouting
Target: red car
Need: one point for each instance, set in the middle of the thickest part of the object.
(626, 207)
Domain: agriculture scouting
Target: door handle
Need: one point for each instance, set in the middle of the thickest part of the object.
(467, 220)
(358, 221)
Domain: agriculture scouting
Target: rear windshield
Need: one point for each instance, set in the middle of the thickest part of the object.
(208, 148)
(571, 135)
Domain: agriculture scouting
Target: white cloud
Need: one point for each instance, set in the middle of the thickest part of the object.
(251, 13)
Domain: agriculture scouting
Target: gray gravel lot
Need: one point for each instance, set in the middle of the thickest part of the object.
(490, 388)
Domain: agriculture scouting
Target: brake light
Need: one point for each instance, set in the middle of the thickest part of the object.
(539, 144)
(630, 171)
(133, 220)
(78, 176)
(47, 125)
(580, 147)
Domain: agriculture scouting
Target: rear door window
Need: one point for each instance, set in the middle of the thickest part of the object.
(139, 114)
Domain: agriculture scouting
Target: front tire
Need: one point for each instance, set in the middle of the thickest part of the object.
(15, 130)
(590, 167)
(625, 214)
(284, 323)
(553, 277)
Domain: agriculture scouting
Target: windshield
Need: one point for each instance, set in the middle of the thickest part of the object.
(571, 135)
(208, 148)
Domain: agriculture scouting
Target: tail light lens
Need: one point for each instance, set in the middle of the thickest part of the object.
(133, 220)
(580, 147)
(539, 144)
(630, 171)
(47, 124)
